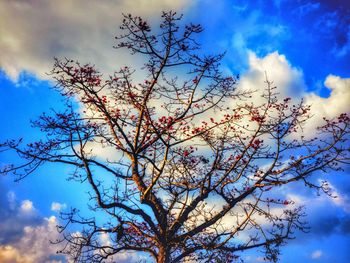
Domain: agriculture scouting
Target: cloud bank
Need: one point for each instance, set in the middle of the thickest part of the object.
(33, 32)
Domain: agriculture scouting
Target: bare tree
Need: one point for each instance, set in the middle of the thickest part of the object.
(196, 162)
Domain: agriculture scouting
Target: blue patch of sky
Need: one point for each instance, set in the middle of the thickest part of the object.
(24, 102)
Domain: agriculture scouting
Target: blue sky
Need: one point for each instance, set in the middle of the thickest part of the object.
(304, 46)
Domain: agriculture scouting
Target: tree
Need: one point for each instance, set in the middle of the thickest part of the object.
(197, 164)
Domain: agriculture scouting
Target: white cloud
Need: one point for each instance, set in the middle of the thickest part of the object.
(32, 236)
(288, 79)
(332, 106)
(316, 254)
(25, 236)
(27, 206)
(34, 245)
(33, 32)
(290, 83)
(56, 207)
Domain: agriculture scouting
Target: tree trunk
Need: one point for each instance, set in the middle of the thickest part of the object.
(163, 255)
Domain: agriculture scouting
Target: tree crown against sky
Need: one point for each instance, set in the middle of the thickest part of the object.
(196, 163)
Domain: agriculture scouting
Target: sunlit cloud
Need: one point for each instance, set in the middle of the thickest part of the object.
(27, 206)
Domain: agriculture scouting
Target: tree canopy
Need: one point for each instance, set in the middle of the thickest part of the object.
(193, 163)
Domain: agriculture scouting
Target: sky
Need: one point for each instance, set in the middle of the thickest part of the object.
(302, 45)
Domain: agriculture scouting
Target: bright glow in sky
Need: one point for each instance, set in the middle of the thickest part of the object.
(303, 45)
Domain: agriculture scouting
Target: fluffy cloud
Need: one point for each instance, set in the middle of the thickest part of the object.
(290, 83)
(332, 106)
(24, 235)
(33, 246)
(32, 32)
(14, 216)
(276, 68)
(27, 206)
(57, 207)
